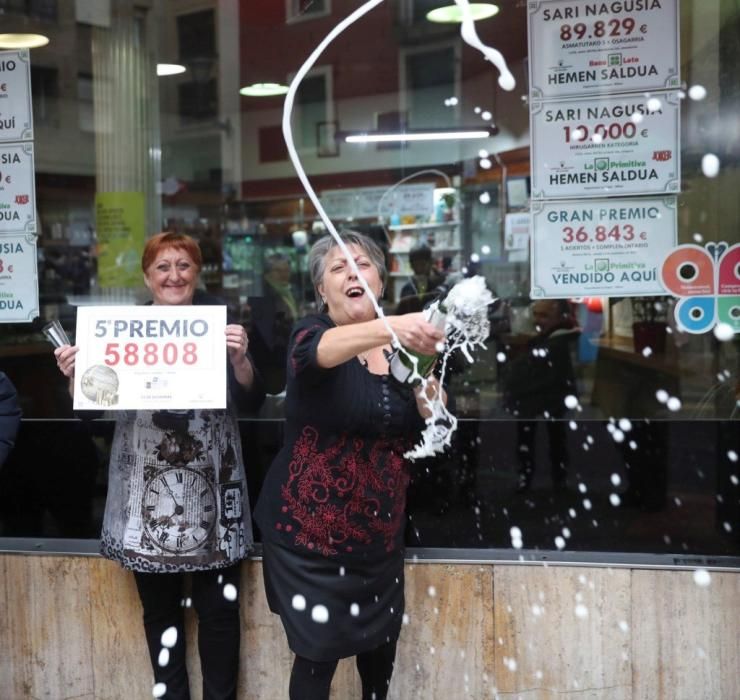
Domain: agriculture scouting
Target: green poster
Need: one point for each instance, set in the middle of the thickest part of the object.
(120, 219)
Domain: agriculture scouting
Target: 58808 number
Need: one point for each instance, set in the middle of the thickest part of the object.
(132, 354)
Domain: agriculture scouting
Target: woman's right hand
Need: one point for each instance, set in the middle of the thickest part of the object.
(416, 333)
(65, 355)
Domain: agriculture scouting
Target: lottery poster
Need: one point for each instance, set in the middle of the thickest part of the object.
(608, 145)
(150, 357)
(19, 284)
(581, 47)
(607, 247)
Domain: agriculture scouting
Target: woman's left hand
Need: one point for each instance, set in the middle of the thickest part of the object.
(237, 344)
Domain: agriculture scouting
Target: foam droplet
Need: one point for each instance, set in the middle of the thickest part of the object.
(724, 332)
(702, 578)
(320, 614)
(674, 404)
(710, 165)
(169, 637)
(164, 657)
(507, 82)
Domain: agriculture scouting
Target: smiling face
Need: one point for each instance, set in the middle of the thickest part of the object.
(172, 277)
(345, 296)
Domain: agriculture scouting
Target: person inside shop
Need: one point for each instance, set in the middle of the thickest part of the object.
(177, 500)
(10, 416)
(426, 284)
(331, 511)
(536, 384)
(271, 319)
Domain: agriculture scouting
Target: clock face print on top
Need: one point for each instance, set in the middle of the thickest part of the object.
(179, 509)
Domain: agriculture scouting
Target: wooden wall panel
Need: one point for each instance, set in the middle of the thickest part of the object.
(119, 660)
(70, 629)
(45, 629)
(686, 637)
(446, 649)
(562, 632)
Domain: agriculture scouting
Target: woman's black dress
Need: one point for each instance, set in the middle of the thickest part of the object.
(331, 510)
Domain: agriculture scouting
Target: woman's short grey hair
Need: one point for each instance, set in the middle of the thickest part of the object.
(320, 249)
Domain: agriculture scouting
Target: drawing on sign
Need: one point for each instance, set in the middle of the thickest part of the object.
(707, 282)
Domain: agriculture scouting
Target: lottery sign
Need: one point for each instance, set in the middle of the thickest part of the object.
(16, 121)
(17, 188)
(150, 357)
(19, 286)
(581, 47)
(611, 145)
(607, 247)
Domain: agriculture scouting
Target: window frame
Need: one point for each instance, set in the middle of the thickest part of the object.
(294, 15)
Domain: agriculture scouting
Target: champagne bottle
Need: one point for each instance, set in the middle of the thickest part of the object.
(402, 368)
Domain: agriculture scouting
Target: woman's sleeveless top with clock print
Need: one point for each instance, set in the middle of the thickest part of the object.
(177, 496)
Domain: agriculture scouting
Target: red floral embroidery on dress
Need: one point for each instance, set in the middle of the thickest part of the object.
(338, 495)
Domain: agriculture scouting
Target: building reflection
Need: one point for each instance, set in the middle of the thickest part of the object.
(210, 161)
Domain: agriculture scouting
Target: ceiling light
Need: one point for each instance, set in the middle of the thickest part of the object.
(170, 69)
(450, 14)
(421, 136)
(264, 90)
(22, 41)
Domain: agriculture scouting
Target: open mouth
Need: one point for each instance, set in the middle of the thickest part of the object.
(355, 292)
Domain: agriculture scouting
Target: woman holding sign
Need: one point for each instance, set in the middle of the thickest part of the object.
(331, 510)
(177, 497)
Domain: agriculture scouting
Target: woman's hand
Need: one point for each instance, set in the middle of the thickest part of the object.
(65, 355)
(416, 333)
(237, 343)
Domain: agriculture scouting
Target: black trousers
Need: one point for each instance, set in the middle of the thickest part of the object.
(311, 680)
(162, 596)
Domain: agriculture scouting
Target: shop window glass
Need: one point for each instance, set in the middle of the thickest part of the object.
(85, 115)
(307, 9)
(430, 81)
(39, 9)
(45, 94)
(637, 455)
(312, 107)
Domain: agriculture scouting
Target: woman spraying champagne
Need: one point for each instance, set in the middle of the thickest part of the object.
(331, 511)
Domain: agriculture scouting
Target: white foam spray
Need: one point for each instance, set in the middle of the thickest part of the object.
(441, 424)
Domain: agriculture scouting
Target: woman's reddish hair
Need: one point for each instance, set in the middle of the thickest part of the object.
(168, 239)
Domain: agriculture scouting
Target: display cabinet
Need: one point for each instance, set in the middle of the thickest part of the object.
(441, 234)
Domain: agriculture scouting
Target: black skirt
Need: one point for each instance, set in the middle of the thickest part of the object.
(331, 609)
